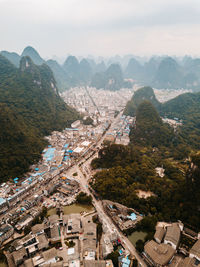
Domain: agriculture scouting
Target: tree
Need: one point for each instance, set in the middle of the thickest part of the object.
(114, 257)
(140, 245)
(83, 198)
(135, 263)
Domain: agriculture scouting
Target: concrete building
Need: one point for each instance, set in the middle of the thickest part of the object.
(93, 263)
(19, 256)
(89, 240)
(6, 231)
(158, 255)
(172, 236)
(73, 223)
(76, 124)
(159, 234)
(38, 229)
(195, 251)
(188, 262)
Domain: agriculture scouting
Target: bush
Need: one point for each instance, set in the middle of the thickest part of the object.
(140, 245)
(83, 198)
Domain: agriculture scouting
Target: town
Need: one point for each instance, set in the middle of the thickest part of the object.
(41, 222)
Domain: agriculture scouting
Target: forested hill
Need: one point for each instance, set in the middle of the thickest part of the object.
(30, 108)
(111, 79)
(149, 129)
(142, 94)
(185, 107)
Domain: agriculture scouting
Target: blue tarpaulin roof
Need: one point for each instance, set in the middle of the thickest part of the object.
(49, 154)
(133, 216)
(2, 200)
(125, 262)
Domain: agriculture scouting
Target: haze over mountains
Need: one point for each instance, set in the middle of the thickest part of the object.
(159, 72)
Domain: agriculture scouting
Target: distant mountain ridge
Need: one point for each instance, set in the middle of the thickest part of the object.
(30, 109)
(159, 71)
(71, 74)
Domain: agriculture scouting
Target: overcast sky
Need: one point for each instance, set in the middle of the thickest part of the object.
(101, 27)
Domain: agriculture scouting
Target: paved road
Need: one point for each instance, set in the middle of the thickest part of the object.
(108, 223)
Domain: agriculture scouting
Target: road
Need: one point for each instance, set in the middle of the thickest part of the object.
(107, 222)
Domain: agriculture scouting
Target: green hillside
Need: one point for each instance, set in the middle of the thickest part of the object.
(142, 94)
(31, 105)
(149, 129)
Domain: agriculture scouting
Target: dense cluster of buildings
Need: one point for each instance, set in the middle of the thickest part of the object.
(166, 248)
(125, 218)
(65, 240)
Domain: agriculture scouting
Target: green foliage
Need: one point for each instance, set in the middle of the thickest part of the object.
(30, 108)
(140, 245)
(135, 169)
(99, 231)
(135, 263)
(149, 129)
(114, 257)
(88, 121)
(3, 258)
(83, 198)
(142, 94)
(70, 243)
(185, 107)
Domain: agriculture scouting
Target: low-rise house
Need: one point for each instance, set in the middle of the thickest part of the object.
(195, 251)
(173, 234)
(158, 254)
(25, 221)
(28, 263)
(38, 229)
(6, 231)
(73, 223)
(89, 240)
(43, 242)
(100, 263)
(188, 262)
(55, 233)
(19, 256)
(159, 234)
(49, 256)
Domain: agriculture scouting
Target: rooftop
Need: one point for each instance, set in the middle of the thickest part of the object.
(195, 250)
(159, 253)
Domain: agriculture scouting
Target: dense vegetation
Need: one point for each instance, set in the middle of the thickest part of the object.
(120, 180)
(83, 198)
(185, 108)
(144, 93)
(127, 169)
(30, 108)
(149, 129)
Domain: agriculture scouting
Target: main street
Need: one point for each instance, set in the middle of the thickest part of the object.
(106, 220)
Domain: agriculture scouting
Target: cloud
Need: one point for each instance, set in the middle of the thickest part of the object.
(100, 26)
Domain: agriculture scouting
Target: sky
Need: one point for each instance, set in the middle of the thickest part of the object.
(101, 27)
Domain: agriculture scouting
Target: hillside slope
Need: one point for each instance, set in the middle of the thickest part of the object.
(31, 105)
(142, 94)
